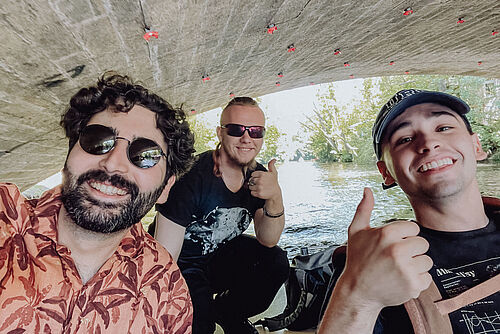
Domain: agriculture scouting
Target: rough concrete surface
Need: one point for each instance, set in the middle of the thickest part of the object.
(51, 48)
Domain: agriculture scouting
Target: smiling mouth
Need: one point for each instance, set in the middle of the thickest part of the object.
(436, 164)
(107, 189)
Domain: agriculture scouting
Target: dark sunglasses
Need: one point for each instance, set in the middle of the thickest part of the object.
(238, 130)
(98, 139)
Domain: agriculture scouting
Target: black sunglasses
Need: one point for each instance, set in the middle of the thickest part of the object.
(98, 139)
(238, 130)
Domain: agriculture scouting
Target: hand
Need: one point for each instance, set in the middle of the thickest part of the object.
(265, 185)
(385, 266)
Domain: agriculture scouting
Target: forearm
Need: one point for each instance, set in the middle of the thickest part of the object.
(348, 314)
(268, 229)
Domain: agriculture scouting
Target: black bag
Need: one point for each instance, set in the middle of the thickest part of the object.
(308, 289)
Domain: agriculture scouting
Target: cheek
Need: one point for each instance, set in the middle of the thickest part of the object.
(78, 160)
(259, 143)
(148, 180)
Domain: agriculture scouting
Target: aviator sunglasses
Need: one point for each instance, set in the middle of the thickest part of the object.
(98, 139)
(238, 130)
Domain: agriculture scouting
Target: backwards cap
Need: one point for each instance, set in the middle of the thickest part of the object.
(407, 98)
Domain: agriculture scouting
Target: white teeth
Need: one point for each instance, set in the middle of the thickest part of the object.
(106, 189)
(435, 164)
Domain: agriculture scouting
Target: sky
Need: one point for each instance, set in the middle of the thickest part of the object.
(285, 109)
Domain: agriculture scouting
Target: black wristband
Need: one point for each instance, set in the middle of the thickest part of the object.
(273, 216)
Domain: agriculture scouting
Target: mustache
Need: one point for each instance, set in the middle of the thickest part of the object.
(115, 180)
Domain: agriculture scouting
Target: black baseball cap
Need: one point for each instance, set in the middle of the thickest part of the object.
(407, 98)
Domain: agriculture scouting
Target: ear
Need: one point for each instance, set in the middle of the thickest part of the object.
(164, 194)
(219, 133)
(478, 149)
(386, 174)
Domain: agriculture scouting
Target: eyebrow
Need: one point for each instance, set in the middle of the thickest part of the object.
(434, 114)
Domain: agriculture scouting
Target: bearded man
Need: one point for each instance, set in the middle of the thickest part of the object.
(207, 211)
(78, 260)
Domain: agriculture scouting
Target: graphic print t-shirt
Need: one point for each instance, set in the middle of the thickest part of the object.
(462, 260)
(210, 212)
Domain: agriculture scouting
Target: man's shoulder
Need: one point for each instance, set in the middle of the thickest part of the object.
(204, 158)
(10, 198)
(9, 190)
(492, 208)
(203, 161)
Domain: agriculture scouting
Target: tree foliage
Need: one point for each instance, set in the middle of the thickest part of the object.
(205, 137)
(343, 133)
(270, 148)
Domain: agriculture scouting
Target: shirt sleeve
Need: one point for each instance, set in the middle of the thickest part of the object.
(183, 199)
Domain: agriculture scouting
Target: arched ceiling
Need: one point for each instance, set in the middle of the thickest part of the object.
(51, 48)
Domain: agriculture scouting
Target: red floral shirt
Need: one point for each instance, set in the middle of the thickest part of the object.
(138, 290)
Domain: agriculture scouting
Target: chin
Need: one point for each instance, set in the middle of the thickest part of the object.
(441, 191)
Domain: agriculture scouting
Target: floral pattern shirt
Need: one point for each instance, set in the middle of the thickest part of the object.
(139, 289)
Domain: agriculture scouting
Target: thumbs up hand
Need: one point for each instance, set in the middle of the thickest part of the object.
(386, 265)
(265, 185)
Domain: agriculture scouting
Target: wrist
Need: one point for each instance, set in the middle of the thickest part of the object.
(359, 299)
(272, 214)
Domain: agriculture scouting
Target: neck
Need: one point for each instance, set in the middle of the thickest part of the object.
(458, 213)
(90, 250)
(232, 173)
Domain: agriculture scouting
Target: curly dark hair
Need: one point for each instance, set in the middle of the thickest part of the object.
(119, 94)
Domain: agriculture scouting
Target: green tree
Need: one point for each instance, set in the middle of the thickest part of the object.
(205, 138)
(343, 133)
(270, 148)
(334, 130)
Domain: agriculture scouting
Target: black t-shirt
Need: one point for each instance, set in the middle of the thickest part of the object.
(461, 260)
(211, 213)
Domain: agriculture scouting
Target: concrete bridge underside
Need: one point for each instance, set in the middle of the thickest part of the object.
(51, 48)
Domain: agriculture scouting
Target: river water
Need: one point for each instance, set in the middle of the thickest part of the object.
(320, 201)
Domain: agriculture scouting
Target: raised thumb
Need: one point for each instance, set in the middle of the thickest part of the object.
(361, 220)
(271, 167)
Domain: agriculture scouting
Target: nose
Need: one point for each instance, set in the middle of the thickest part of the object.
(116, 160)
(427, 143)
(245, 138)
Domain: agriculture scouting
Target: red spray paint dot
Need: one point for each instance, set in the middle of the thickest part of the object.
(271, 28)
(149, 34)
(408, 11)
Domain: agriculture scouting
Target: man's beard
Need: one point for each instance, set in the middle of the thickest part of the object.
(234, 159)
(97, 216)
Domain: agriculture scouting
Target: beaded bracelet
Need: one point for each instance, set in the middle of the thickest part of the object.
(273, 216)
